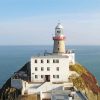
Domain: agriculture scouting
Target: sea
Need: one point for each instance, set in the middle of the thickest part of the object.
(12, 58)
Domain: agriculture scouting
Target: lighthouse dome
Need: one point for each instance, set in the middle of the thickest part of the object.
(59, 26)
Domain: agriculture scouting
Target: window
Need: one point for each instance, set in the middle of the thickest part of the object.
(42, 76)
(57, 68)
(58, 49)
(36, 68)
(48, 68)
(57, 76)
(48, 61)
(42, 68)
(58, 31)
(35, 61)
(41, 61)
(57, 61)
(53, 61)
(36, 76)
(53, 76)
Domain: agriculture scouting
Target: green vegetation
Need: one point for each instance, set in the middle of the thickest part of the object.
(85, 82)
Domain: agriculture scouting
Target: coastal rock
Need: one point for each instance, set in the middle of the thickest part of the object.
(9, 93)
(85, 82)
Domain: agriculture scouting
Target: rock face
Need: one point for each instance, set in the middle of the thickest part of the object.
(85, 82)
(9, 93)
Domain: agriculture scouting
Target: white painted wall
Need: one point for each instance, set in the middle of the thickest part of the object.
(48, 86)
(27, 86)
(71, 57)
(63, 69)
(45, 95)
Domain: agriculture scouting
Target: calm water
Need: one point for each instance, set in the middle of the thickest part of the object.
(13, 58)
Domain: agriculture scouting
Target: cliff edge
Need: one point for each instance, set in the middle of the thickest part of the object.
(85, 82)
(9, 93)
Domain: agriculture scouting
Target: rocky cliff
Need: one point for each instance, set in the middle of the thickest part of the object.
(85, 82)
(9, 93)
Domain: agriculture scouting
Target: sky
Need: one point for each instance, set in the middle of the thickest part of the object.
(33, 22)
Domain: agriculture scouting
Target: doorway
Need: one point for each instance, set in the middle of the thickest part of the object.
(47, 78)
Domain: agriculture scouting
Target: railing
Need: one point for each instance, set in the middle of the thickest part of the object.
(58, 38)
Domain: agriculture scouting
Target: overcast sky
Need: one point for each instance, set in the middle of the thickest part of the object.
(32, 22)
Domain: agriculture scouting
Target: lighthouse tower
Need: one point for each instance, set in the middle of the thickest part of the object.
(59, 40)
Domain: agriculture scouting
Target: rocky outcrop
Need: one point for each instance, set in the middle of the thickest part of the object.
(9, 93)
(85, 82)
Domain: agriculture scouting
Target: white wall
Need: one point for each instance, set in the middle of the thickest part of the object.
(71, 57)
(63, 69)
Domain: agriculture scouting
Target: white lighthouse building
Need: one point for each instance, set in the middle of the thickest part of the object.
(59, 40)
(50, 72)
(54, 67)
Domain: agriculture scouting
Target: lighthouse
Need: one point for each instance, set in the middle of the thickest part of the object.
(59, 40)
(48, 72)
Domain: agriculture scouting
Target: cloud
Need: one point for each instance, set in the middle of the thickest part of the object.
(79, 28)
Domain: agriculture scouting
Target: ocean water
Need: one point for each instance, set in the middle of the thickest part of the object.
(13, 58)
